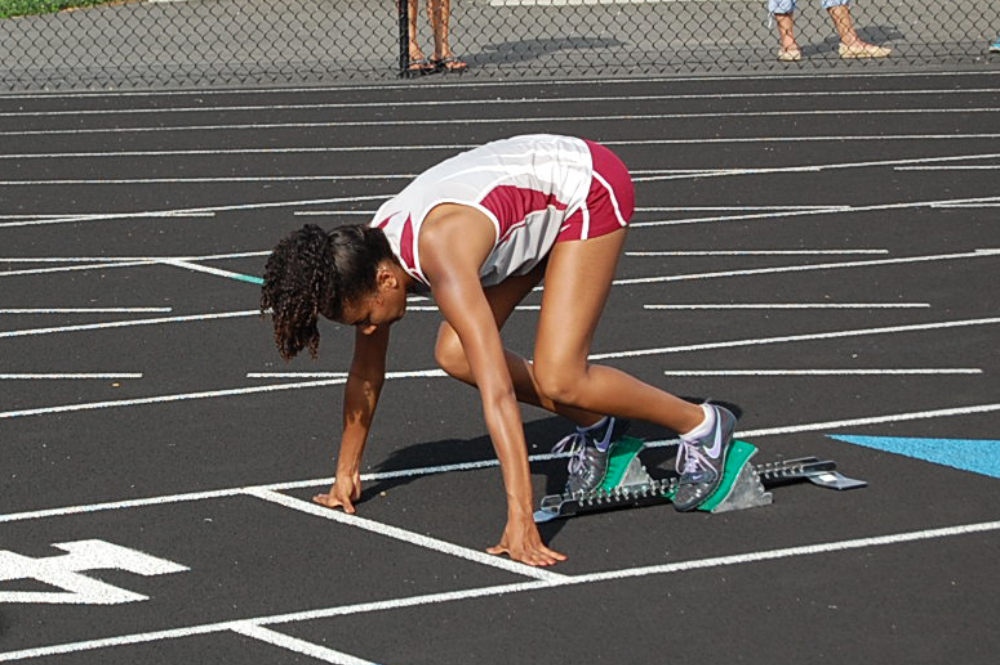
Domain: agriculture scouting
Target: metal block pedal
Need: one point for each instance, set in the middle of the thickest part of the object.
(628, 485)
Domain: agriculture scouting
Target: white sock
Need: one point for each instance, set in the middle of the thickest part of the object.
(704, 428)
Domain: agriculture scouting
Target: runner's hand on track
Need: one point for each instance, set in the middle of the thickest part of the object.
(343, 493)
(522, 542)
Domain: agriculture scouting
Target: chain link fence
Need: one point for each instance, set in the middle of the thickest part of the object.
(149, 43)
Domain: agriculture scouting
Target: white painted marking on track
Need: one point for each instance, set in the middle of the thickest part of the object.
(636, 172)
(760, 252)
(184, 211)
(161, 399)
(521, 119)
(951, 167)
(128, 324)
(597, 356)
(434, 308)
(56, 376)
(783, 339)
(218, 272)
(205, 180)
(801, 305)
(811, 168)
(87, 310)
(67, 214)
(477, 465)
(805, 268)
(465, 146)
(303, 647)
(831, 547)
(405, 536)
(74, 268)
(429, 373)
(824, 372)
(144, 259)
(475, 102)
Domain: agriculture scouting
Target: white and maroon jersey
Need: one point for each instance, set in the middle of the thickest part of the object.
(527, 185)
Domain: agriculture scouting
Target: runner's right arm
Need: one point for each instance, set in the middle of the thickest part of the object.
(364, 385)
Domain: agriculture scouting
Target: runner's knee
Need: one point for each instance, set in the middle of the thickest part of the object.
(559, 382)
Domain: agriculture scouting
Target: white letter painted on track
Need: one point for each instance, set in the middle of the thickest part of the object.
(64, 572)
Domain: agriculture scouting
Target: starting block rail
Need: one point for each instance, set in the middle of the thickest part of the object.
(744, 485)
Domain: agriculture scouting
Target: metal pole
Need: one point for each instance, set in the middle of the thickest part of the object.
(404, 37)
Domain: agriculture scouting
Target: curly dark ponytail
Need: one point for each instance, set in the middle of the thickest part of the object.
(311, 271)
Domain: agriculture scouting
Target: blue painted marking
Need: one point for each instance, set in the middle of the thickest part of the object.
(249, 278)
(976, 455)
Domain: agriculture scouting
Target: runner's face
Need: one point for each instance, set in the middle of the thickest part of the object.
(383, 307)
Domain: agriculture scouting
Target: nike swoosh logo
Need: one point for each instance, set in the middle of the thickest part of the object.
(716, 448)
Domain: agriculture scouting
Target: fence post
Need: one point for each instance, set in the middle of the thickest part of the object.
(404, 37)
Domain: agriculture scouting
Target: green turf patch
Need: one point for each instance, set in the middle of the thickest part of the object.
(11, 8)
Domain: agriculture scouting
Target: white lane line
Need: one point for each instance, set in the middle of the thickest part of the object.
(87, 310)
(205, 180)
(27, 377)
(218, 272)
(429, 373)
(127, 324)
(492, 101)
(144, 259)
(297, 375)
(477, 465)
(761, 341)
(503, 563)
(984, 204)
(303, 647)
(66, 214)
(161, 399)
(122, 262)
(73, 268)
(425, 373)
(330, 213)
(830, 547)
(976, 254)
(762, 252)
(600, 82)
(434, 308)
(465, 146)
(799, 305)
(810, 168)
(635, 172)
(525, 119)
(871, 420)
(824, 372)
(961, 167)
(184, 211)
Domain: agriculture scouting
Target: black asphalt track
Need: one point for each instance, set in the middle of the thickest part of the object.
(199, 464)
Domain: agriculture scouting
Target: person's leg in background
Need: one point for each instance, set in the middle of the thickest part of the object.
(419, 64)
(851, 46)
(783, 13)
(444, 58)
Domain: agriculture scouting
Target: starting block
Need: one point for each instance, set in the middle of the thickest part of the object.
(744, 485)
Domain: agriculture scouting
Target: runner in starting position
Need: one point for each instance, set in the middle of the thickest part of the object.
(479, 231)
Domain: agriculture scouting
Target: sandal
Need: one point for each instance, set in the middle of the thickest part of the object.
(421, 67)
(789, 54)
(863, 50)
(449, 64)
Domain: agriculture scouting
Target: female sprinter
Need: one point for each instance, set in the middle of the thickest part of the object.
(479, 231)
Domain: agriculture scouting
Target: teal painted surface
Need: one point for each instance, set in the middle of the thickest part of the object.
(976, 455)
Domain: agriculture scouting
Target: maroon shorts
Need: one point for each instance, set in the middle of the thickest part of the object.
(610, 203)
